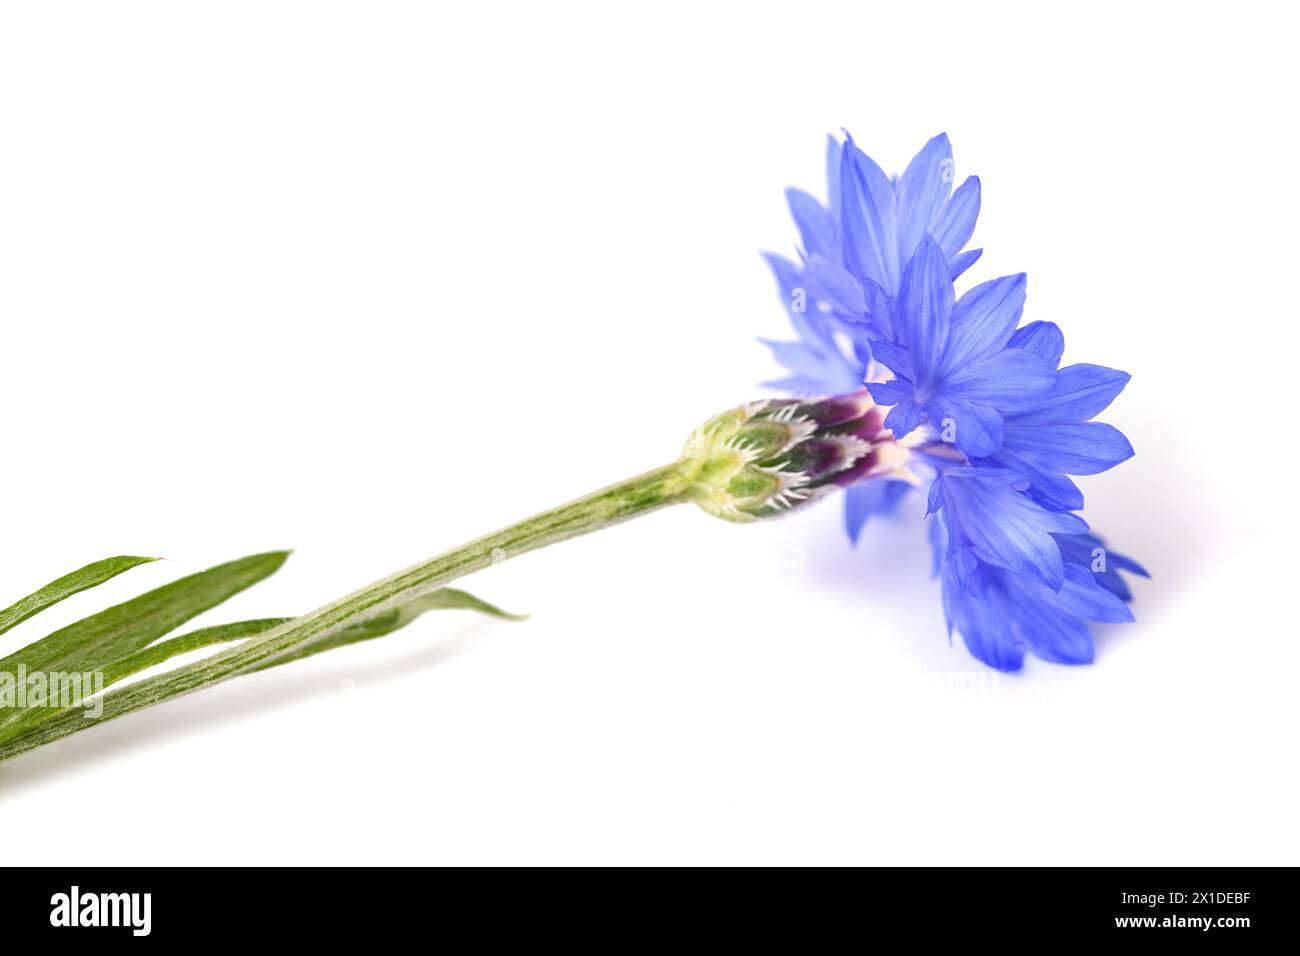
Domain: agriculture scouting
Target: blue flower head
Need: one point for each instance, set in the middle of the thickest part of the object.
(977, 402)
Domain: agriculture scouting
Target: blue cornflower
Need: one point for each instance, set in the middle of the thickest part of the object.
(978, 405)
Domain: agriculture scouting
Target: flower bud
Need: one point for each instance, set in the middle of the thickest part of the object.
(768, 458)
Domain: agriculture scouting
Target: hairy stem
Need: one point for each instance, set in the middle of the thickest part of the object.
(617, 503)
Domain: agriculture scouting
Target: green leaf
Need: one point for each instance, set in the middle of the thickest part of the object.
(92, 575)
(42, 724)
(95, 642)
(377, 626)
(396, 619)
(204, 637)
(455, 599)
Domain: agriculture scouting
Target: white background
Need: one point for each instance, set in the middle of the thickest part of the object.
(367, 280)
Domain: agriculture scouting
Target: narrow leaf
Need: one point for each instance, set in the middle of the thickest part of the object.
(377, 626)
(93, 643)
(36, 726)
(164, 651)
(453, 599)
(92, 575)
(396, 619)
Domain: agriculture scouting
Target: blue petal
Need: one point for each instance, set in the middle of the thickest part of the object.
(810, 325)
(923, 190)
(1119, 562)
(796, 356)
(879, 309)
(868, 498)
(984, 510)
(992, 642)
(1082, 448)
(960, 263)
(1080, 392)
(957, 221)
(975, 429)
(859, 338)
(983, 623)
(983, 319)
(831, 372)
(1084, 597)
(840, 288)
(934, 498)
(1011, 380)
(1044, 339)
(1116, 585)
(967, 570)
(786, 272)
(892, 392)
(938, 542)
(903, 418)
(867, 219)
(895, 358)
(1001, 615)
(1047, 485)
(923, 313)
(818, 371)
(1055, 492)
(1084, 551)
(1052, 634)
(1077, 548)
(815, 224)
(1081, 549)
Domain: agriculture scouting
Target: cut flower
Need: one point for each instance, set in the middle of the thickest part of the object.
(978, 403)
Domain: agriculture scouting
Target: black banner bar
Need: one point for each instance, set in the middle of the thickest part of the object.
(1222, 907)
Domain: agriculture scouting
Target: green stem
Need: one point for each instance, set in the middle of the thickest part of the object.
(617, 503)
